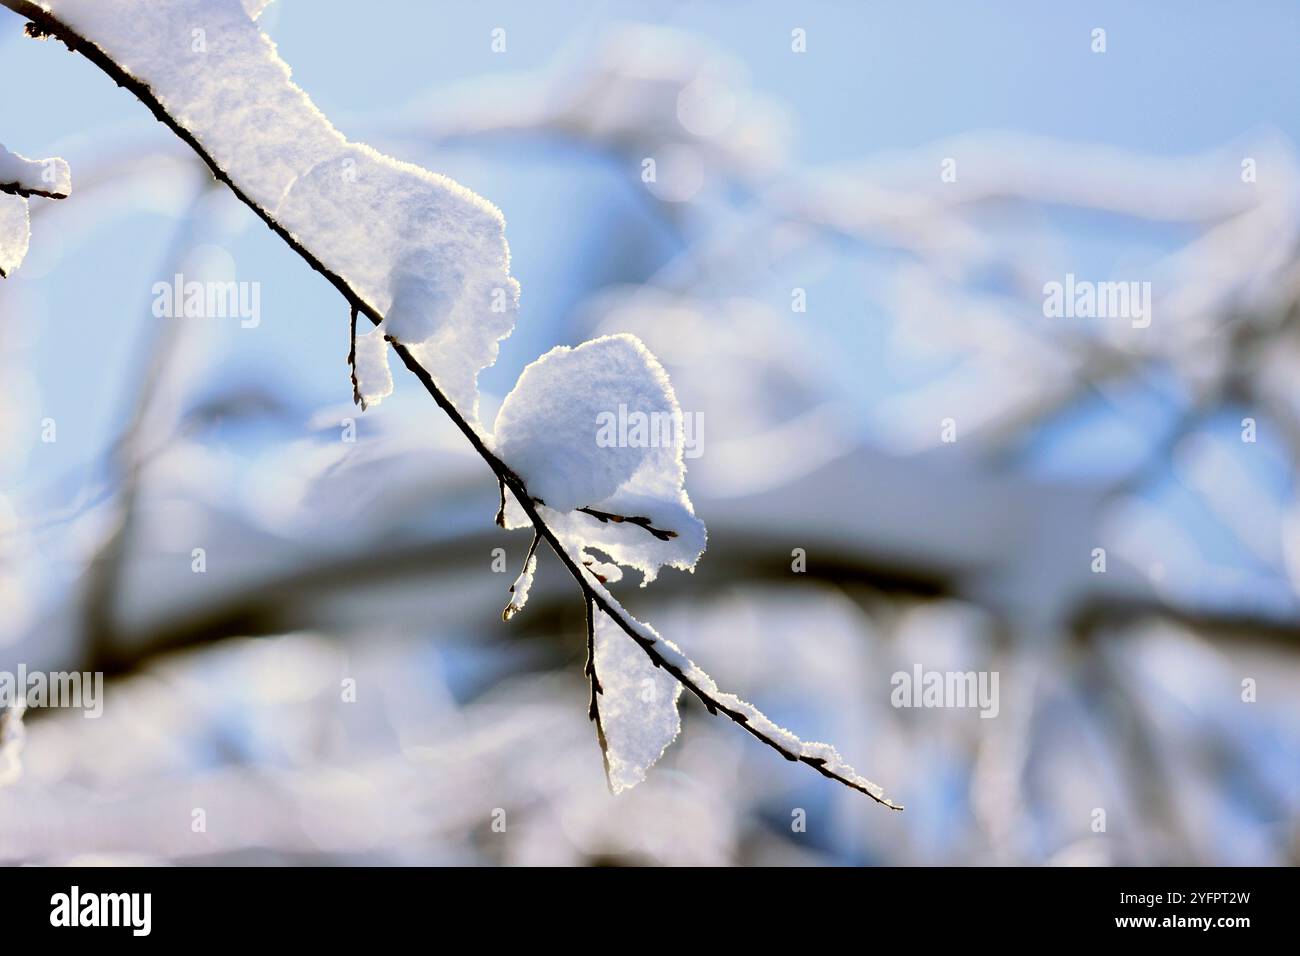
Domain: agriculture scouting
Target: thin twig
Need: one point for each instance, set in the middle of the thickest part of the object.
(593, 680)
(532, 549)
(605, 516)
(26, 192)
(501, 511)
(45, 24)
(352, 362)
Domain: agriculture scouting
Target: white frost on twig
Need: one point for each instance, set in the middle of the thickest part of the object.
(604, 572)
(519, 590)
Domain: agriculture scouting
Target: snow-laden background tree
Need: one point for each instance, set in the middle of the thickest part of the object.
(832, 289)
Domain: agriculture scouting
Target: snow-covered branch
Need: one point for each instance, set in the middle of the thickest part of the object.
(425, 260)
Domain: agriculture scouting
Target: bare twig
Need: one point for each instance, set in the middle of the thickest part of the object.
(532, 549)
(17, 189)
(605, 516)
(593, 704)
(46, 24)
(352, 362)
(501, 511)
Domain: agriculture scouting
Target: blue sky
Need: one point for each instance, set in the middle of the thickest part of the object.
(1176, 78)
